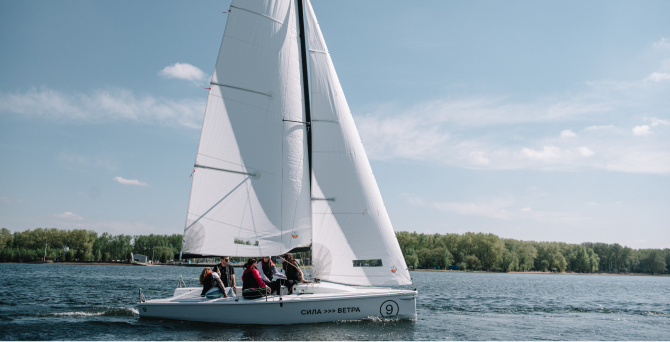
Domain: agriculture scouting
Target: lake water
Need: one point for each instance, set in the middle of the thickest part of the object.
(87, 302)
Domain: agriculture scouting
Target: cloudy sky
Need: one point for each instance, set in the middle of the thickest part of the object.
(530, 120)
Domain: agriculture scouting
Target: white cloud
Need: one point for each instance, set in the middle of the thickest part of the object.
(479, 158)
(183, 71)
(658, 76)
(130, 181)
(103, 106)
(599, 128)
(568, 134)
(641, 130)
(658, 122)
(662, 44)
(585, 151)
(494, 208)
(499, 208)
(68, 216)
(547, 154)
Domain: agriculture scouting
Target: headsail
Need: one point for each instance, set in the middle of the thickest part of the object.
(250, 191)
(353, 240)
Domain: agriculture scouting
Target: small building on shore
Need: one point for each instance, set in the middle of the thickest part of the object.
(139, 258)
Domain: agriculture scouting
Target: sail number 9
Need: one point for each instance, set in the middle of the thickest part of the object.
(389, 308)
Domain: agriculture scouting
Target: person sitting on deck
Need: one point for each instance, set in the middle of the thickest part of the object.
(212, 287)
(227, 273)
(267, 270)
(252, 284)
(293, 272)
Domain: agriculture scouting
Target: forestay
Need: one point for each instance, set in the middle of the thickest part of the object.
(250, 189)
(353, 240)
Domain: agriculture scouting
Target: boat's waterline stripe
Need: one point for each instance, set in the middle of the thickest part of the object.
(254, 174)
(239, 88)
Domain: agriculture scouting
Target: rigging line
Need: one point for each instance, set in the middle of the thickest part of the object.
(264, 15)
(243, 89)
(333, 121)
(229, 162)
(302, 122)
(255, 174)
(217, 203)
(227, 224)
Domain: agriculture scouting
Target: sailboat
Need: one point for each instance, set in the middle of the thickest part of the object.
(281, 168)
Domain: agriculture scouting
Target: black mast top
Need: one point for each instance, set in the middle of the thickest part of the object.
(305, 87)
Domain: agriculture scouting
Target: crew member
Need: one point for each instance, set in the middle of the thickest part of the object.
(252, 284)
(268, 271)
(293, 272)
(227, 273)
(212, 286)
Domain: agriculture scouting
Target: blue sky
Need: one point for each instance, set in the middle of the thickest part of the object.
(530, 120)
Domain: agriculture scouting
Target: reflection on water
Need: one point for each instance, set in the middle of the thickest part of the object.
(61, 302)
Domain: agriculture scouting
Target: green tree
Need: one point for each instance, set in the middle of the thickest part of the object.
(5, 238)
(164, 257)
(472, 262)
(510, 261)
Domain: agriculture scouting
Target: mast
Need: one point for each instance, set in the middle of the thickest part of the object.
(305, 85)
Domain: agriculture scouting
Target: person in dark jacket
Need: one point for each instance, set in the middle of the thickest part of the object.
(253, 285)
(227, 273)
(212, 286)
(268, 270)
(293, 272)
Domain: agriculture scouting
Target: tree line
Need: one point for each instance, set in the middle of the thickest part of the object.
(479, 251)
(83, 245)
(473, 251)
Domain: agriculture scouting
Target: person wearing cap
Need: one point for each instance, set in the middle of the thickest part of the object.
(268, 271)
(227, 273)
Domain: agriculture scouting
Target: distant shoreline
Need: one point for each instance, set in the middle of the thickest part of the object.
(95, 263)
(548, 273)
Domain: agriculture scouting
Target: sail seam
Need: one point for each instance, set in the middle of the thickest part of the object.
(240, 102)
(227, 224)
(319, 51)
(265, 16)
(332, 121)
(239, 88)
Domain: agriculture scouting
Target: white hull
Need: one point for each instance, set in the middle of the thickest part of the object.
(321, 302)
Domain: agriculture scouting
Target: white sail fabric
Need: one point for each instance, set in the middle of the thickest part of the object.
(250, 188)
(353, 240)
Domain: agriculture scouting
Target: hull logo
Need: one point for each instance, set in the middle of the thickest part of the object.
(144, 309)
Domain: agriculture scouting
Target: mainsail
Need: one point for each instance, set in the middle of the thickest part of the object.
(250, 194)
(250, 189)
(353, 240)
